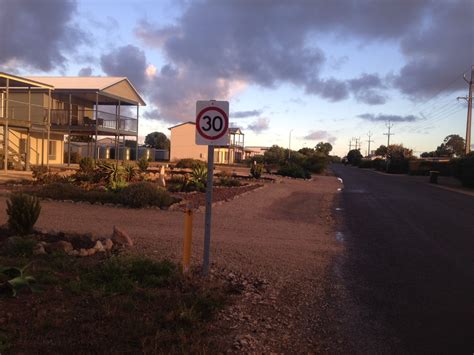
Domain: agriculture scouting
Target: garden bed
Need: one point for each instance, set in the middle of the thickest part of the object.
(197, 199)
(105, 304)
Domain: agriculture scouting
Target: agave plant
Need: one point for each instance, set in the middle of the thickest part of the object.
(16, 280)
(130, 172)
(112, 174)
(199, 174)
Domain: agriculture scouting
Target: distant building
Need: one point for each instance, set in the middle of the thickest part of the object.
(183, 145)
(38, 113)
(253, 151)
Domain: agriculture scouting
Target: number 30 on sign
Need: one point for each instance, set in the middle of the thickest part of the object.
(212, 122)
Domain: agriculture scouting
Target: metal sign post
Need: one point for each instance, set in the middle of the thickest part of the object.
(207, 221)
(212, 126)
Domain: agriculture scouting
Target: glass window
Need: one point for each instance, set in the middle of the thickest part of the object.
(52, 150)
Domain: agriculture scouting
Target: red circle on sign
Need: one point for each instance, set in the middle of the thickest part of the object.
(226, 122)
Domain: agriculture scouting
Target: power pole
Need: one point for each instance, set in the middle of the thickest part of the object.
(357, 143)
(369, 141)
(388, 134)
(469, 111)
(350, 145)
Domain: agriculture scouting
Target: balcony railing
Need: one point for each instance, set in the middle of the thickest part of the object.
(91, 119)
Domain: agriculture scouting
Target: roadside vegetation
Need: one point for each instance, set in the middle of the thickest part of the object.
(447, 160)
(114, 301)
(297, 164)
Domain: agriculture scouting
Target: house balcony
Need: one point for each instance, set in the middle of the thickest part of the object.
(90, 121)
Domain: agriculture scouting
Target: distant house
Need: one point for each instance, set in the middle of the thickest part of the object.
(183, 145)
(38, 113)
(253, 151)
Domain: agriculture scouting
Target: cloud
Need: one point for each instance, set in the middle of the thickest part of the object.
(320, 136)
(439, 51)
(385, 118)
(259, 125)
(38, 35)
(366, 89)
(129, 61)
(152, 114)
(245, 114)
(86, 71)
(270, 44)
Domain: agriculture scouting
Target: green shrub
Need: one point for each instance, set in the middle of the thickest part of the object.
(23, 212)
(464, 170)
(143, 164)
(20, 246)
(293, 170)
(144, 194)
(315, 163)
(39, 172)
(112, 174)
(86, 165)
(366, 164)
(259, 159)
(136, 195)
(379, 164)
(256, 170)
(16, 280)
(398, 166)
(124, 274)
(189, 163)
(226, 179)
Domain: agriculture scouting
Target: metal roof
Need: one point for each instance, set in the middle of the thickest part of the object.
(85, 83)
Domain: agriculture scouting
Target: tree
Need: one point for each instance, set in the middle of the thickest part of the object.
(398, 151)
(428, 154)
(276, 155)
(306, 151)
(382, 151)
(324, 148)
(452, 145)
(354, 157)
(157, 140)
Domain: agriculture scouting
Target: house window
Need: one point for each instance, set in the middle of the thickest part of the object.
(22, 145)
(52, 150)
(226, 156)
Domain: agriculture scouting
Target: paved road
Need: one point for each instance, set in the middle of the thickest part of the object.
(410, 260)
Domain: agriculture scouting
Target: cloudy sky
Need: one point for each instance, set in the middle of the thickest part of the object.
(322, 70)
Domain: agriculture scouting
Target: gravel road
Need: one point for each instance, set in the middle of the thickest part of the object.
(281, 235)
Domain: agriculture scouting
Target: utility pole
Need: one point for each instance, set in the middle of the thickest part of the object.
(289, 146)
(388, 134)
(469, 111)
(350, 145)
(357, 143)
(369, 141)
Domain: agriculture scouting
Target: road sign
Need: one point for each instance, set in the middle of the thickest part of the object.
(212, 125)
(212, 122)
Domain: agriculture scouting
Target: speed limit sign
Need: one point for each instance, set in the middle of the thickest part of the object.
(212, 122)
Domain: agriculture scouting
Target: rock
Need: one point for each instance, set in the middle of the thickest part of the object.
(39, 250)
(91, 251)
(121, 238)
(108, 244)
(59, 246)
(99, 247)
(83, 252)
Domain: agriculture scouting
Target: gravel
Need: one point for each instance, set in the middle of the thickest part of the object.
(277, 243)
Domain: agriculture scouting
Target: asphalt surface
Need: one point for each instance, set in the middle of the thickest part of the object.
(409, 260)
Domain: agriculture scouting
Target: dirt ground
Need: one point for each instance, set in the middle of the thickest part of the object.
(281, 236)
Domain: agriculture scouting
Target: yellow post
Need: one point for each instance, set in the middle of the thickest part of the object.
(188, 237)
